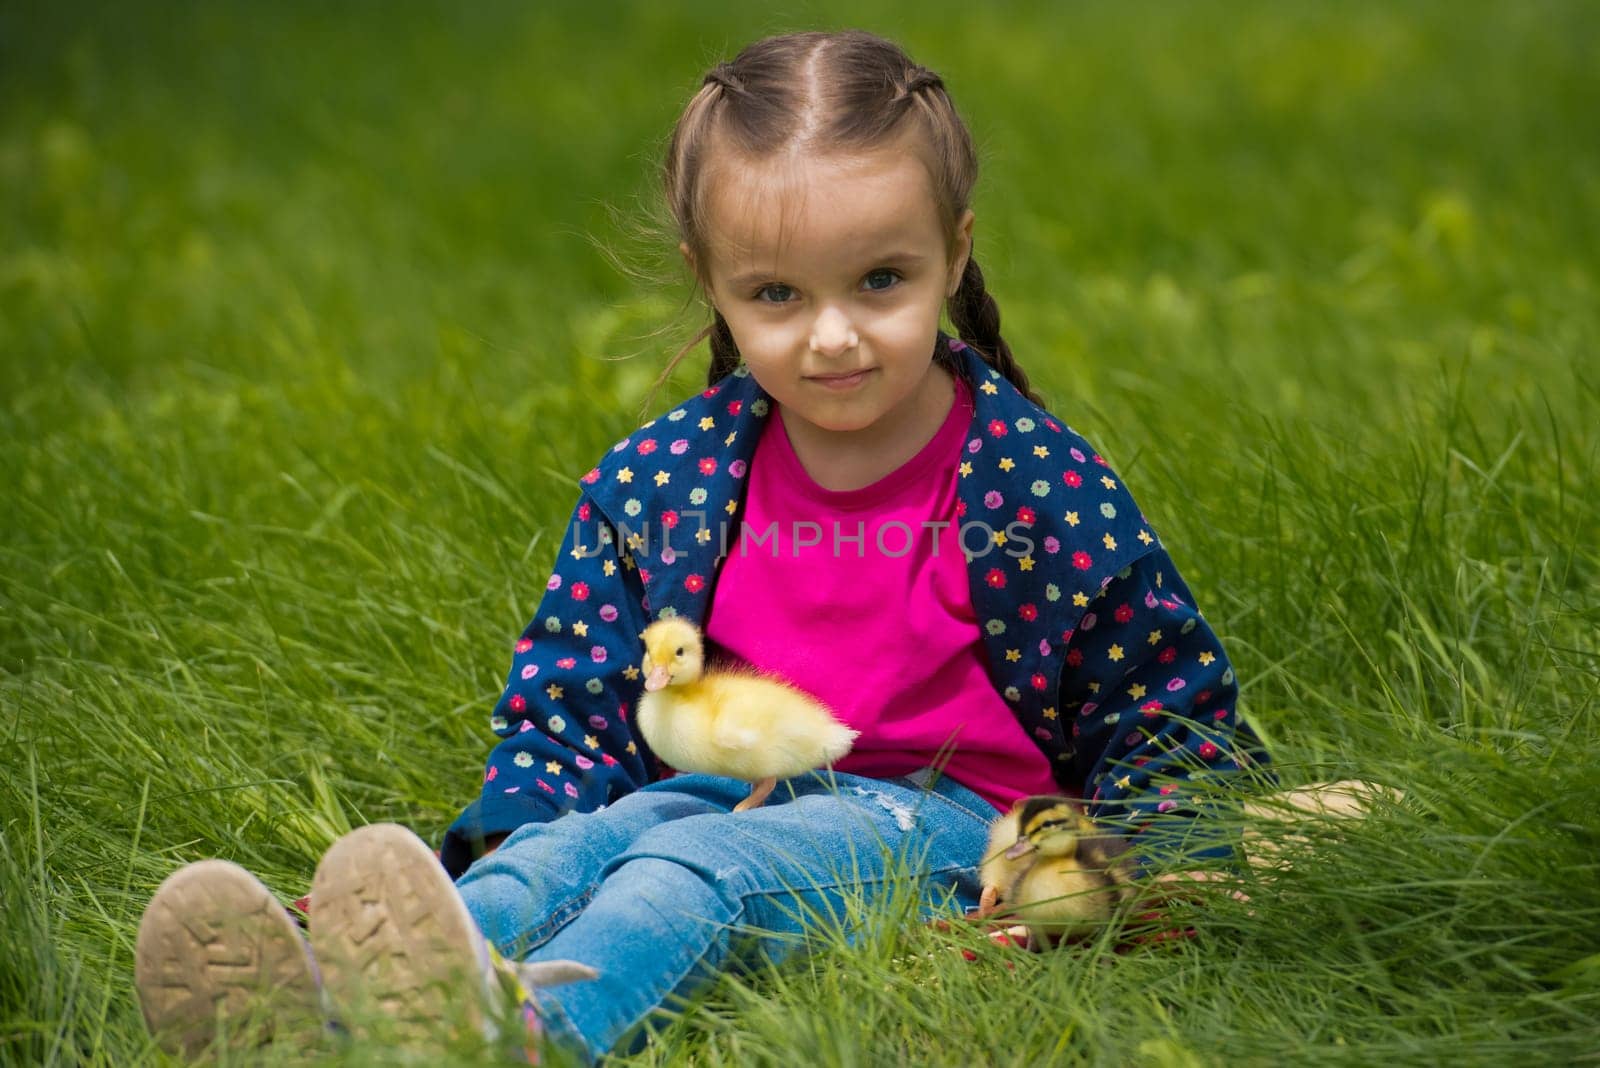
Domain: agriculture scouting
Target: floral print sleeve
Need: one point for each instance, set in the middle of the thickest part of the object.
(564, 714)
(1151, 698)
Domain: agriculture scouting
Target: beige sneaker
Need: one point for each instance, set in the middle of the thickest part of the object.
(218, 957)
(399, 953)
(401, 957)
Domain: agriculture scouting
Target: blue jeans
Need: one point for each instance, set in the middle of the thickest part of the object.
(667, 886)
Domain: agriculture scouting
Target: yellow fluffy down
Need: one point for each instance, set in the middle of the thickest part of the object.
(997, 872)
(741, 725)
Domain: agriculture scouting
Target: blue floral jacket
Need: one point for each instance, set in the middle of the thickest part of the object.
(1088, 631)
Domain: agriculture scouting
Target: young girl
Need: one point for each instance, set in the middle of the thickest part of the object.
(876, 510)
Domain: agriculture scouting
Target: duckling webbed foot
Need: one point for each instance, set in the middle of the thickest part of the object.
(758, 794)
(988, 903)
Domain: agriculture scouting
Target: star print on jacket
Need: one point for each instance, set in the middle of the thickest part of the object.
(1090, 634)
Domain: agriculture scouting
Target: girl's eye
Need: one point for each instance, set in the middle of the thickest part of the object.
(888, 276)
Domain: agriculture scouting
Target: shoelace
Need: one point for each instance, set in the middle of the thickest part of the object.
(519, 979)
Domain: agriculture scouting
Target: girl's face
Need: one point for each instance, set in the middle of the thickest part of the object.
(831, 274)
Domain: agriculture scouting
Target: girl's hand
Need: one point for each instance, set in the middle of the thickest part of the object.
(1180, 884)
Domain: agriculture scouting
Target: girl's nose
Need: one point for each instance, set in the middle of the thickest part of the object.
(832, 334)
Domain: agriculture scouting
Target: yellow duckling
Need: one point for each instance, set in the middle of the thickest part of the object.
(736, 723)
(1076, 877)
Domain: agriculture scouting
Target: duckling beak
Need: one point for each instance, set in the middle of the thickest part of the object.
(1021, 848)
(658, 678)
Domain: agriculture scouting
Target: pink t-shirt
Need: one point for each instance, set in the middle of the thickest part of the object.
(856, 597)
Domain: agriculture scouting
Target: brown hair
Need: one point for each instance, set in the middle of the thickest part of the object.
(843, 91)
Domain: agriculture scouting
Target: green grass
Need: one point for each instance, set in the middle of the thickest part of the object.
(307, 327)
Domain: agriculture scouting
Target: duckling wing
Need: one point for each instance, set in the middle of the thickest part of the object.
(1057, 894)
(772, 729)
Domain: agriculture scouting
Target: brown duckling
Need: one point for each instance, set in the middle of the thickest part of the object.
(1070, 875)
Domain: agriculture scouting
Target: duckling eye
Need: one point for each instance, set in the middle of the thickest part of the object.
(680, 650)
(1044, 826)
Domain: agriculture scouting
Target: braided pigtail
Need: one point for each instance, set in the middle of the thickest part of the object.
(725, 359)
(977, 321)
(724, 353)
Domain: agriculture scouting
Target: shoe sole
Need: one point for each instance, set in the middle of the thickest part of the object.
(398, 950)
(217, 955)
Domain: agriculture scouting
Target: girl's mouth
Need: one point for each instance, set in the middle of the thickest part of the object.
(843, 382)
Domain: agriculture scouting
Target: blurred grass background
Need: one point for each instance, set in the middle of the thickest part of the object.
(311, 315)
